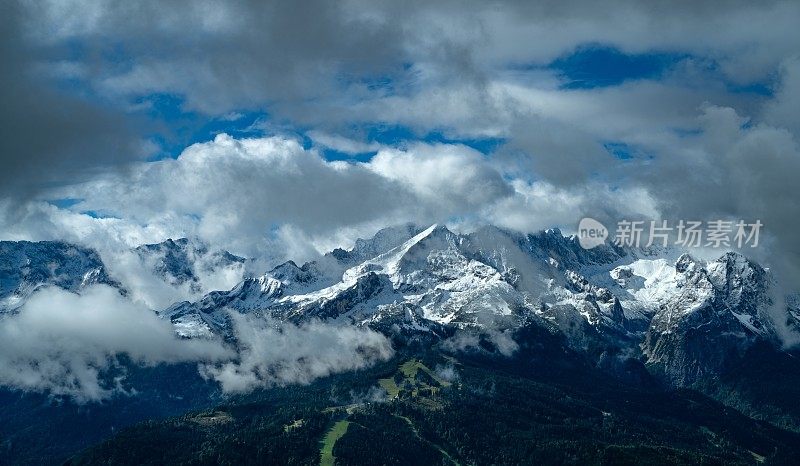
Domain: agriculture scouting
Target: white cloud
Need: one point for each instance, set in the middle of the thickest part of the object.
(256, 196)
(472, 341)
(734, 168)
(274, 353)
(444, 177)
(782, 111)
(541, 205)
(342, 144)
(38, 221)
(61, 343)
(64, 344)
(249, 187)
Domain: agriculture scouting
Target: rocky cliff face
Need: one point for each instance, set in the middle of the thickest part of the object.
(717, 312)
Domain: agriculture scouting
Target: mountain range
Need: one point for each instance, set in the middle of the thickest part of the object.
(647, 319)
(684, 318)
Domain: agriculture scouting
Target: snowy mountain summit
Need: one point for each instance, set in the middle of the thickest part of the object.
(677, 313)
(27, 266)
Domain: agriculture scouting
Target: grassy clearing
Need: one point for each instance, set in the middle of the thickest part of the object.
(338, 430)
(409, 371)
(391, 388)
(412, 366)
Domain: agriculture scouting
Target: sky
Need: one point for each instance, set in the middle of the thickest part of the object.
(281, 130)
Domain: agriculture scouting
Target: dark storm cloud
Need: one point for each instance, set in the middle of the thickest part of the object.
(47, 137)
(232, 55)
(328, 64)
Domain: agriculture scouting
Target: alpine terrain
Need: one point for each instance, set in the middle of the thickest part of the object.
(651, 353)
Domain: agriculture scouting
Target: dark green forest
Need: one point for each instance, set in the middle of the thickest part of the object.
(459, 409)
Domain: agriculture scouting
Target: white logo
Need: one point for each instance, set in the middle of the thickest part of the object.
(591, 233)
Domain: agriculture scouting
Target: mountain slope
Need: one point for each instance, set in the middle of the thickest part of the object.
(486, 411)
(717, 313)
(26, 266)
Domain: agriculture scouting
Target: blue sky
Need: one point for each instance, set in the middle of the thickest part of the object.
(595, 65)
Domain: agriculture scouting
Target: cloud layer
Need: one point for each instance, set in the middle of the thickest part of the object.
(274, 353)
(63, 343)
(69, 345)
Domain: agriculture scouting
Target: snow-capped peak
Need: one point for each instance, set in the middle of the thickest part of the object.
(26, 266)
